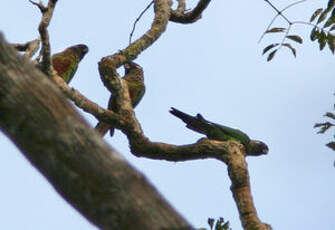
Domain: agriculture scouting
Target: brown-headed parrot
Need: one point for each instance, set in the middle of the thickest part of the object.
(136, 88)
(66, 62)
(220, 132)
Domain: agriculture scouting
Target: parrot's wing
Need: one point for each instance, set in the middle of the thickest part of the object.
(64, 66)
(235, 133)
(61, 64)
(136, 92)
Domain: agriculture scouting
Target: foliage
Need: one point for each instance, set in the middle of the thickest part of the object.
(324, 34)
(219, 224)
(323, 31)
(325, 126)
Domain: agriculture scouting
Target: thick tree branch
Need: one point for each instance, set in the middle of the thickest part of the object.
(194, 15)
(240, 187)
(231, 153)
(92, 177)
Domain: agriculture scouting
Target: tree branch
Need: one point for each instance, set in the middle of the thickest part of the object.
(85, 104)
(30, 48)
(240, 187)
(47, 13)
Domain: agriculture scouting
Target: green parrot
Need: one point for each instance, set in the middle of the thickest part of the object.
(136, 88)
(66, 62)
(220, 132)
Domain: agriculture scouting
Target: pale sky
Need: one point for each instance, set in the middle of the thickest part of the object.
(213, 67)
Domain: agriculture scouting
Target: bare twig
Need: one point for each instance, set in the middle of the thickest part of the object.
(109, 64)
(30, 48)
(47, 13)
(137, 19)
(279, 13)
(189, 17)
(40, 5)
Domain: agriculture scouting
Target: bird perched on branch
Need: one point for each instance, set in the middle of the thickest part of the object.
(220, 132)
(134, 78)
(66, 62)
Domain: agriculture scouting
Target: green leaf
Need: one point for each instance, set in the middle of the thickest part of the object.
(275, 30)
(322, 16)
(331, 42)
(271, 55)
(315, 34)
(266, 49)
(331, 145)
(226, 226)
(323, 126)
(329, 22)
(295, 38)
(291, 48)
(315, 14)
(322, 40)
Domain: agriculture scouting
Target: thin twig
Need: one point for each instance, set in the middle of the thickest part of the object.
(292, 4)
(279, 13)
(137, 19)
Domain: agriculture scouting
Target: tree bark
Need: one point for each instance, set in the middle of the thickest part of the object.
(86, 172)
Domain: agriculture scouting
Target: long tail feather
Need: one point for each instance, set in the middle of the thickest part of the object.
(198, 123)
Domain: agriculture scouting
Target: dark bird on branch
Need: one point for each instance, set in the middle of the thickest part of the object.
(220, 132)
(134, 78)
(66, 62)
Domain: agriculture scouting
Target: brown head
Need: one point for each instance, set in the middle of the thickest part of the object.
(133, 71)
(80, 50)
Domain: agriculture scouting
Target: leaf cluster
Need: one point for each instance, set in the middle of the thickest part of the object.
(323, 31)
(276, 46)
(218, 224)
(325, 126)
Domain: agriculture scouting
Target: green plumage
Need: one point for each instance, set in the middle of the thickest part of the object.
(134, 78)
(220, 132)
(66, 62)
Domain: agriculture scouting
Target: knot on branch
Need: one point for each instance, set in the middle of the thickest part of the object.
(180, 16)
